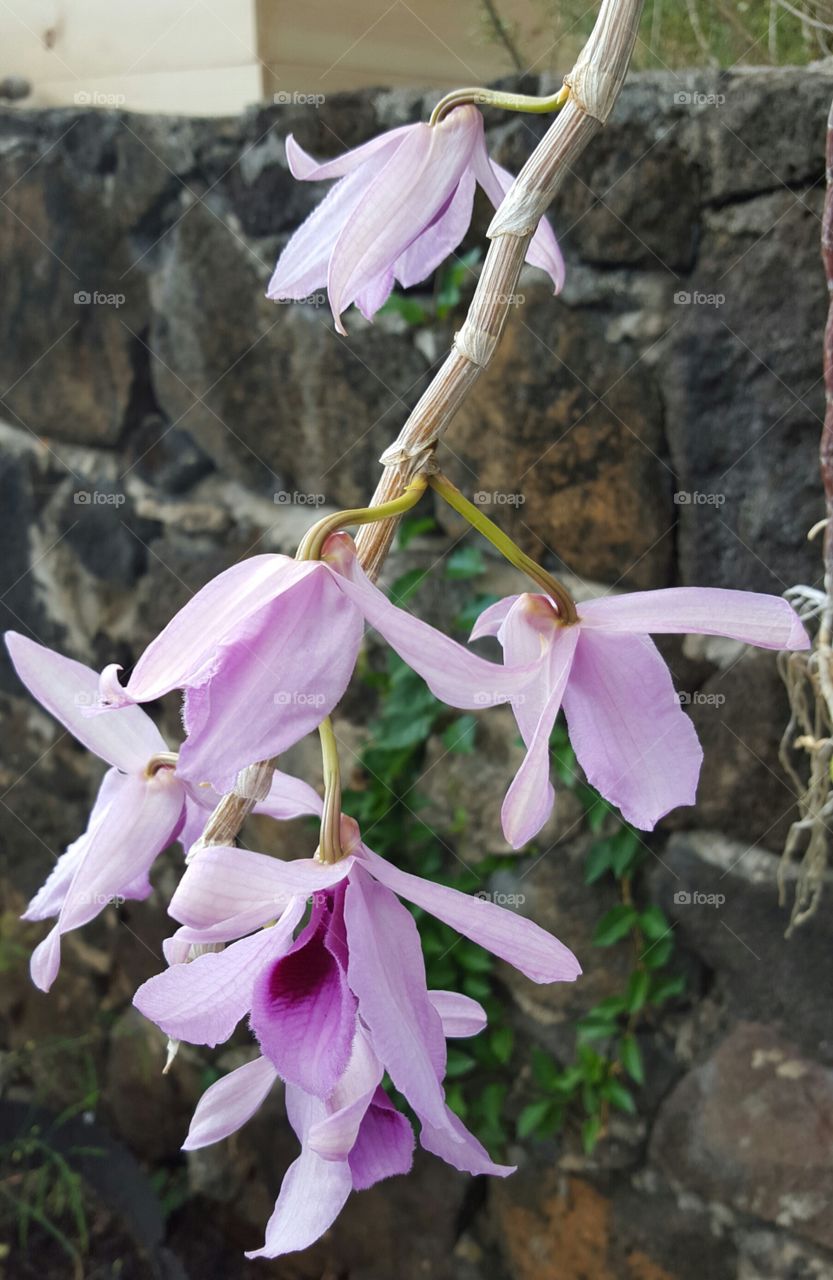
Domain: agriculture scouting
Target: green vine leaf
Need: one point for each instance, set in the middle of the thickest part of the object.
(614, 926)
(630, 1057)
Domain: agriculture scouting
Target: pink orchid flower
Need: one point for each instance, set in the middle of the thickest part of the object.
(354, 973)
(349, 1142)
(266, 649)
(353, 1137)
(142, 804)
(630, 734)
(402, 204)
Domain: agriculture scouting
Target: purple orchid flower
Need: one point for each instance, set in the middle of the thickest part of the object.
(142, 804)
(280, 638)
(349, 1142)
(630, 734)
(355, 973)
(402, 204)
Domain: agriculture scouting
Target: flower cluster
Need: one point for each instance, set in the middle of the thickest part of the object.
(319, 953)
(325, 960)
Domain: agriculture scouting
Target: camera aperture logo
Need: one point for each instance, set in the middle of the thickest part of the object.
(700, 699)
(287, 498)
(83, 298)
(695, 298)
(298, 698)
(96, 498)
(695, 898)
(498, 498)
(487, 698)
(286, 99)
(511, 900)
(95, 98)
(682, 498)
(684, 99)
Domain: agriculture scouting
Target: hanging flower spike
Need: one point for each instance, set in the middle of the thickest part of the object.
(142, 804)
(630, 734)
(280, 638)
(401, 205)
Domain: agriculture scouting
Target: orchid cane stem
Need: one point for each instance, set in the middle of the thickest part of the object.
(504, 101)
(478, 520)
(313, 541)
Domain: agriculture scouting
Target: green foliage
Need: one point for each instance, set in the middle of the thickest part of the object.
(608, 1053)
(43, 1191)
(723, 33)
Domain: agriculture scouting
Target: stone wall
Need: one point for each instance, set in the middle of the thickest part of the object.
(661, 422)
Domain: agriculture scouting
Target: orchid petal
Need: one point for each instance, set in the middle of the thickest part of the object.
(306, 169)
(49, 899)
(51, 896)
(452, 673)
(302, 266)
(222, 883)
(520, 942)
(491, 620)
(530, 635)
(203, 1001)
(543, 250)
(529, 800)
(631, 737)
(229, 1103)
(375, 294)
(138, 820)
(440, 238)
(46, 960)
(187, 647)
(452, 1142)
(461, 1016)
(384, 1147)
(288, 667)
(304, 1014)
(289, 798)
(415, 183)
(314, 1191)
(334, 1137)
(749, 616)
(67, 689)
(387, 974)
(197, 813)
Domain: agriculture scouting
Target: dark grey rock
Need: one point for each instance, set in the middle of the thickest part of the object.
(749, 1128)
(722, 897)
(739, 713)
(565, 439)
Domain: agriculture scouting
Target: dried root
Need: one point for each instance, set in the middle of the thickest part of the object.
(806, 753)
